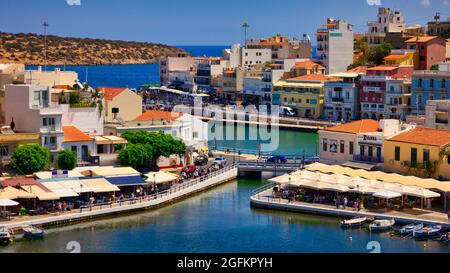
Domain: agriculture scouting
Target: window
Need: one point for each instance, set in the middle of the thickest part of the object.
(325, 144)
(443, 83)
(342, 146)
(426, 155)
(351, 147)
(420, 82)
(4, 150)
(397, 153)
(370, 151)
(432, 83)
(37, 95)
(413, 157)
(73, 148)
(362, 150)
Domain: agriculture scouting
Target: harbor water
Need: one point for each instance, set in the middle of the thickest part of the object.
(219, 220)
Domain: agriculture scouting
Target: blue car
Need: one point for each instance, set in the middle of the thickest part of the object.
(277, 159)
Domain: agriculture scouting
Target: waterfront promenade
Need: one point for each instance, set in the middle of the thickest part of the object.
(127, 206)
(264, 199)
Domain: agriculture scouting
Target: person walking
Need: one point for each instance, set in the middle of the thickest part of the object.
(345, 202)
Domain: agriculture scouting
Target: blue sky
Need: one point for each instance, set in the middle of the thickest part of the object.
(198, 22)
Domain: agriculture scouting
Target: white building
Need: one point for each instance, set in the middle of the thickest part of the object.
(438, 114)
(388, 21)
(335, 46)
(255, 56)
(178, 64)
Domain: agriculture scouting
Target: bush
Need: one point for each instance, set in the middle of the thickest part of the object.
(29, 159)
(67, 160)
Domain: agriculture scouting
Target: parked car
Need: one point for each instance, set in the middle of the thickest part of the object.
(220, 160)
(277, 159)
(201, 161)
(190, 170)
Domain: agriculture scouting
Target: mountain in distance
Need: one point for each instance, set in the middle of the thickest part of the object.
(28, 48)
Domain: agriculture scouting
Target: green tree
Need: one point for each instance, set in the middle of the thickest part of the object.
(376, 55)
(29, 159)
(67, 160)
(74, 98)
(161, 144)
(446, 33)
(136, 155)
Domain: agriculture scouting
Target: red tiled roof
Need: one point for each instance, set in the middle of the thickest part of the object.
(355, 127)
(359, 70)
(315, 78)
(111, 92)
(19, 181)
(308, 65)
(65, 87)
(382, 68)
(424, 136)
(158, 115)
(73, 134)
(421, 39)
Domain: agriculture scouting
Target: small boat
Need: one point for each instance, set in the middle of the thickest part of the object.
(32, 232)
(382, 225)
(427, 232)
(6, 237)
(355, 222)
(409, 229)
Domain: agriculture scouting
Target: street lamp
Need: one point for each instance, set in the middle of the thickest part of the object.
(45, 25)
(154, 181)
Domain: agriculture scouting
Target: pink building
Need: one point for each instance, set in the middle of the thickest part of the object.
(431, 50)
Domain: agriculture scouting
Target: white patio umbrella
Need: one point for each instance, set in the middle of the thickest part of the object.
(284, 179)
(364, 190)
(375, 184)
(317, 185)
(420, 192)
(7, 203)
(336, 188)
(387, 194)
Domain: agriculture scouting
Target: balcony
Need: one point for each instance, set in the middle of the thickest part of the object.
(369, 159)
(337, 99)
(371, 89)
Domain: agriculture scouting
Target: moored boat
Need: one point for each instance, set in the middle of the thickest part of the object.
(427, 232)
(355, 222)
(6, 237)
(446, 238)
(409, 229)
(32, 232)
(382, 225)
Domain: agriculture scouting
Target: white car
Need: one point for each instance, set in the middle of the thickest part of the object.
(220, 160)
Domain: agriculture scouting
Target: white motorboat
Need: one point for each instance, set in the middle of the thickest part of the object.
(382, 225)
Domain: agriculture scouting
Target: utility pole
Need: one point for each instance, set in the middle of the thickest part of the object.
(245, 26)
(45, 25)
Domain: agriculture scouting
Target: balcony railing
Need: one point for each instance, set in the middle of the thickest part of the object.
(337, 99)
(370, 159)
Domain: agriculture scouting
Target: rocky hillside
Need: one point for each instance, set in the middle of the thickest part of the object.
(29, 49)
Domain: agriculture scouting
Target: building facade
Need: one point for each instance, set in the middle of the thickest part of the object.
(431, 50)
(388, 21)
(430, 85)
(121, 104)
(335, 46)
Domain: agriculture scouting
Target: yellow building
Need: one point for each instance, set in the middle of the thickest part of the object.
(304, 94)
(121, 103)
(9, 141)
(402, 57)
(420, 151)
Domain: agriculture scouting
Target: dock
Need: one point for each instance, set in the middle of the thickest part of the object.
(263, 199)
(176, 193)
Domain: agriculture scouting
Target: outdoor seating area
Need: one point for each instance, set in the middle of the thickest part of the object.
(48, 193)
(354, 192)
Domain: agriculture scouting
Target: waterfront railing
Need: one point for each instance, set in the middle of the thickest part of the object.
(147, 198)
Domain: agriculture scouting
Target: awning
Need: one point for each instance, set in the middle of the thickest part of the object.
(358, 165)
(13, 193)
(421, 193)
(387, 194)
(48, 175)
(60, 190)
(100, 185)
(160, 177)
(126, 181)
(110, 171)
(40, 193)
(108, 140)
(8, 203)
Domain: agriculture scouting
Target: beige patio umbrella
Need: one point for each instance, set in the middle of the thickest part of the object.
(364, 190)
(317, 185)
(284, 179)
(336, 188)
(420, 192)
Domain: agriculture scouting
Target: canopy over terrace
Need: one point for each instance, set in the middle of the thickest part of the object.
(14, 193)
(30, 186)
(109, 140)
(49, 175)
(160, 177)
(385, 177)
(107, 171)
(100, 185)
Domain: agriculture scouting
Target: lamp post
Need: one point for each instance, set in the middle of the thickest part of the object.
(45, 25)
(359, 198)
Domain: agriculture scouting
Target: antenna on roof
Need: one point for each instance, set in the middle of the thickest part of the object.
(245, 26)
